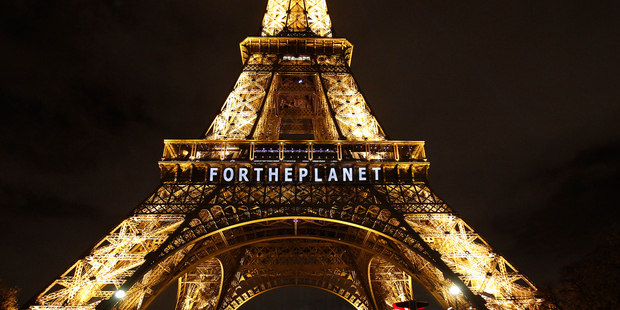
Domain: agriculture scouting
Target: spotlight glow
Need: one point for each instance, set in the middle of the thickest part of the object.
(119, 294)
(454, 290)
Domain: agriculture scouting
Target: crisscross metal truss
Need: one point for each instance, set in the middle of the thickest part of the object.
(326, 260)
(234, 204)
(175, 198)
(197, 288)
(485, 272)
(351, 111)
(112, 261)
(296, 16)
(269, 127)
(239, 112)
(389, 282)
(413, 198)
(266, 266)
(253, 102)
(185, 226)
(201, 288)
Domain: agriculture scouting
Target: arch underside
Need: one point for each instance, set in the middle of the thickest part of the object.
(225, 244)
(328, 255)
(265, 266)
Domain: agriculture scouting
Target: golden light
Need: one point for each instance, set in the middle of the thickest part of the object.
(120, 294)
(454, 290)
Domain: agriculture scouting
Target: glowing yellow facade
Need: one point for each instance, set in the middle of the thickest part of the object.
(297, 16)
(294, 183)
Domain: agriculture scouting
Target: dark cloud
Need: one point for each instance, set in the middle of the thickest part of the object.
(35, 131)
(586, 188)
(25, 203)
(571, 208)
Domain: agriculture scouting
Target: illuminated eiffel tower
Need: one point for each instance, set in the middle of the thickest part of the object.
(294, 183)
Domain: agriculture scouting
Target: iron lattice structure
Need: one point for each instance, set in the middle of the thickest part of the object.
(294, 183)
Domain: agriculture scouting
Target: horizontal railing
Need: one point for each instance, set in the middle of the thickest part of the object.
(295, 46)
(291, 151)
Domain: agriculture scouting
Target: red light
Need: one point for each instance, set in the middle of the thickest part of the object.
(404, 305)
(394, 306)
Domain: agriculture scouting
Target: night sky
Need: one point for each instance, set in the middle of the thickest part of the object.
(518, 102)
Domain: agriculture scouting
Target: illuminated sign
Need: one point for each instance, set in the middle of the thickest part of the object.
(303, 58)
(294, 174)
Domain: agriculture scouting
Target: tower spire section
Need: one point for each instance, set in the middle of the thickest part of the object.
(296, 82)
(297, 18)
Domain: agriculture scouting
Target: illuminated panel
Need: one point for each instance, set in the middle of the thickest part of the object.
(275, 17)
(240, 110)
(352, 112)
(319, 20)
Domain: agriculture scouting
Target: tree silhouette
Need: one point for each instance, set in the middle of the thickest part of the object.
(593, 282)
(8, 297)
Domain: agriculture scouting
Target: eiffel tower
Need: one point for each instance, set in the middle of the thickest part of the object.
(294, 183)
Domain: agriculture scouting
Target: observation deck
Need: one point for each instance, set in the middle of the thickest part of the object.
(190, 160)
(293, 151)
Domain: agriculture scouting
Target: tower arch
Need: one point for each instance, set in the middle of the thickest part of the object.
(344, 242)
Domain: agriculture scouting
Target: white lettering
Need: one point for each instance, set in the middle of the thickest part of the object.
(347, 174)
(273, 172)
(316, 175)
(361, 173)
(229, 174)
(212, 173)
(288, 174)
(292, 174)
(303, 172)
(376, 171)
(243, 174)
(258, 171)
(332, 175)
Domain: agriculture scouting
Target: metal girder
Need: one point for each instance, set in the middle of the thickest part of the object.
(113, 260)
(336, 107)
(197, 287)
(350, 109)
(275, 264)
(237, 203)
(389, 283)
(484, 271)
(260, 241)
(241, 108)
(253, 50)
